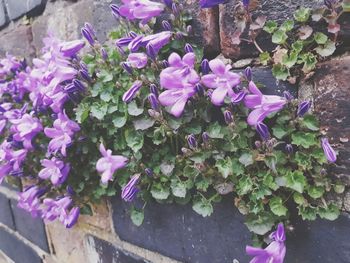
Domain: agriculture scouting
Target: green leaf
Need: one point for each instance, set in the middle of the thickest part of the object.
(310, 62)
(133, 109)
(280, 72)
(224, 166)
(178, 188)
(330, 213)
(287, 25)
(260, 224)
(82, 112)
(307, 213)
(303, 160)
(99, 110)
(270, 26)
(214, 131)
(264, 58)
(143, 123)
(303, 139)
(203, 207)
(167, 168)
(202, 183)
(310, 122)
(134, 139)
(296, 181)
(339, 188)
(298, 198)
(137, 217)
(290, 60)
(279, 132)
(320, 38)
(302, 14)
(237, 167)
(346, 6)
(279, 37)
(159, 192)
(315, 192)
(277, 207)
(86, 209)
(246, 159)
(327, 49)
(297, 46)
(244, 185)
(119, 120)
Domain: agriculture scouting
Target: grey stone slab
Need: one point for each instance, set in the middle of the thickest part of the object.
(176, 231)
(2, 14)
(6, 214)
(107, 252)
(17, 8)
(32, 229)
(16, 250)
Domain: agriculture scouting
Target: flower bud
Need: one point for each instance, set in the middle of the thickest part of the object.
(83, 66)
(153, 101)
(87, 35)
(189, 29)
(191, 141)
(205, 137)
(149, 172)
(79, 85)
(153, 89)
(289, 148)
(263, 131)
(179, 36)
(288, 96)
(175, 9)
(257, 144)
(303, 108)
(151, 52)
(248, 73)
(85, 75)
(168, 3)
(166, 25)
(188, 48)
(329, 152)
(238, 97)
(205, 67)
(115, 10)
(131, 93)
(104, 54)
(165, 64)
(91, 30)
(228, 117)
(129, 191)
(127, 68)
(246, 3)
(199, 89)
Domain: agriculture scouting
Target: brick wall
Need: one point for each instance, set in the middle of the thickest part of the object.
(170, 233)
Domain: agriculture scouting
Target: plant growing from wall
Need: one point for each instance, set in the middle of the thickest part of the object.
(149, 118)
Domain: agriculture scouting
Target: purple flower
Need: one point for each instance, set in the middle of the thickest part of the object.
(238, 97)
(25, 129)
(140, 9)
(72, 218)
(329, 152)
(61, 133)
(55, 170)
(149, 172)
(153, 101)
(137, 60)
(127, 68)
(248, 73)
(109, 163)
(157, 41)
(166, 25)
(131, 93)
(188, 48)
(274, 252)
(210, 3)
(88, 36)
(303, 108)
(153, 89)
(228, 117)
(29, 200)
(288, 96)
(130, 190)
(263, 131)
(205, 67)
(151, 51)
(191, 141)
(205, 137)
(70, 49)
(223, 80)
(115, 10)
(168, 3)
(262, 105)
(179, 79)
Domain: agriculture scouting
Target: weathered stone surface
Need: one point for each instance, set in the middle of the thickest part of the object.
(278, 10)
(17, 40)
(99, 250)
(32, 229)
(2, 14)
(16, 250)
(17, 8)
(330, 93)
(6, 214)
(178, 232)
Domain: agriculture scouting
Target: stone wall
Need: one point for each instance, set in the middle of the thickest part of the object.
(170, 233)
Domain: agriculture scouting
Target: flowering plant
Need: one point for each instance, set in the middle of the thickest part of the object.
(151, 118)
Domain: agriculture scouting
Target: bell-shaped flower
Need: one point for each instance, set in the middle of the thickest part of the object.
(157, 41)
(61, 133)
(72, 217)
(25, 129)
(329, 152)
(109, 163)
(137, 60)
(222, 80)
(262, 105)
(274, 252)
(71, 48)
(140, 9)
(29, 200)
(55, 170)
